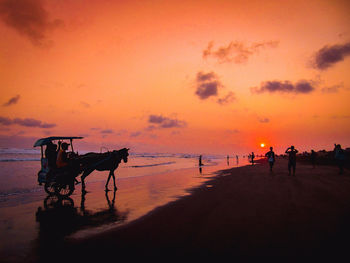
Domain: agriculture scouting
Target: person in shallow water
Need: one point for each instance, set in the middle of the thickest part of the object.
(292, 159)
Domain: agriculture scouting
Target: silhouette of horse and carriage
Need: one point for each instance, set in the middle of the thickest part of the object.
(62, 180)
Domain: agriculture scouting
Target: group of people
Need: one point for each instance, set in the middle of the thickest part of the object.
(57, 156)
(339, 156)
(292, 158)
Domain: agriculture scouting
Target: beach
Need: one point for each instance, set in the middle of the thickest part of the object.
(245, 213)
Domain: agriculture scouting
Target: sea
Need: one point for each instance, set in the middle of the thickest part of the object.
(30, 218)
(19, 167)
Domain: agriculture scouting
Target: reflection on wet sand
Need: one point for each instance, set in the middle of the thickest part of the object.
(59, 218)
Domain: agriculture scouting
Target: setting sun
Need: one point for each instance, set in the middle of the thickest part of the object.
(262, 145)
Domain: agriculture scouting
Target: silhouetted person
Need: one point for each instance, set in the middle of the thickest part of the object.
(270, 158)
(62, 158)
(313, 158)
(292, 159)
(63, 161)
(51, 154)
(200, 160)
(237, 158)
(252, 157)
(228, 160)
(339, 156)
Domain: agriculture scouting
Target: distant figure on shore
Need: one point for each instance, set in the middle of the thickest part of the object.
(339, 156)
(270, 158)
(252, 157)
(292, 159)
(200, 160)
(313, 158)
(237, 158)
(228, 160)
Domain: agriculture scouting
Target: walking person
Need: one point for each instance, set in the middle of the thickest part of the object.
(292, 159)
(270, 158)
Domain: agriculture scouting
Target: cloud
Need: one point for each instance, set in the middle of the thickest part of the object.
(12, 101)
(207, 85)
(135, 134)
(29, 18)
(236, 52)
(107, 131)
(234, 131)
(159, 121)
(27, 122)
(264, 120)
(329, 55)
(230, 97)
(332, 89)
(85, 104)
(302, 86)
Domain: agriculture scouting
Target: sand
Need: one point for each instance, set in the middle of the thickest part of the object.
(245, 213)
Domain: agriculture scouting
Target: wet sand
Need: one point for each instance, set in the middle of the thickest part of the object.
(245, 213)
(34, 224)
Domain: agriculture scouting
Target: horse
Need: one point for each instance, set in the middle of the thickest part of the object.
(108, 161)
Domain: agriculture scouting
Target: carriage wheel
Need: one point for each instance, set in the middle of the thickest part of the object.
(49, 188)
(64, 190)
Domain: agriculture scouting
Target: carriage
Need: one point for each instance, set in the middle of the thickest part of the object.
(61, 181)
(57, 180)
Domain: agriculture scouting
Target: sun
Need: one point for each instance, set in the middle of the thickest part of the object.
(262, 145)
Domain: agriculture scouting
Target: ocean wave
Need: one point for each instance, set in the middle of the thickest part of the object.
(19, 159)
(151, 165)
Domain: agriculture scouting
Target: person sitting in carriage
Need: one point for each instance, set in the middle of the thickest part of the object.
(51, 154)
(63, 161)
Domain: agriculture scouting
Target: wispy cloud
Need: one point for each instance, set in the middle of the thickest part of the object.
(106, 131)
(159, 121)
(27, 122)
(228, 98)
(85, 104)
(12, 101)
(29, 18)
(276, 86)
(263, 120)
(236, 52)
(332, 89)
(330, 55)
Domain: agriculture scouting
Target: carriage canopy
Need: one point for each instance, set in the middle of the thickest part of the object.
(45, 141)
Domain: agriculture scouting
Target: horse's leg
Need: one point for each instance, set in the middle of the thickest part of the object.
(109, 177)
(115, 187)
(85, 174)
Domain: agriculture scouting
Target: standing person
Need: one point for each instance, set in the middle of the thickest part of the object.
(292, 152)
(339, 157)
(271, 158)
(228, 160)
(313, 158)
(237, 158)
(252, 157)
(200, 160)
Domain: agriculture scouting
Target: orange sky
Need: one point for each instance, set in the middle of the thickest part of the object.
(172, 76)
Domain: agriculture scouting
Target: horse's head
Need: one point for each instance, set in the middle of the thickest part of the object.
(124, 153)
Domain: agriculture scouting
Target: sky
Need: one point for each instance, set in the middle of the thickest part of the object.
(210, 77)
